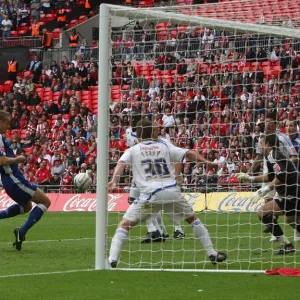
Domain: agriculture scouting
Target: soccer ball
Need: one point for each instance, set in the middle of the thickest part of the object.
(82, 181)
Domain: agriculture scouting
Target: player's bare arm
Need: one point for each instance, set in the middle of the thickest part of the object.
(178, 167)
(196, 157)
(254, 179)
(116, 176)
(6, 161)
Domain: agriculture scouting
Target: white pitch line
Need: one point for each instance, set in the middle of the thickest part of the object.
(49, 241)
(46, 273)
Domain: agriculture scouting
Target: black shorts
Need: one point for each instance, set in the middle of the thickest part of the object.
(290, 207)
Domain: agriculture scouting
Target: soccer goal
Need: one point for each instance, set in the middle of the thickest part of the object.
(205, 81)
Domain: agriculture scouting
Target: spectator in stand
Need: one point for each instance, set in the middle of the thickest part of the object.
(6, 27)
(35, 28)
(12, 69)
(61, 16)
(43, 175)
(35, 67)
(46, 6)
(168, 119)
(55, 180)
(274, 56)
(24, 13)
(74, 40)
(90, 81)
(13, 16)
(53, 108)
(46, 40)
(261, 55)
(35, 9)
(58, 168)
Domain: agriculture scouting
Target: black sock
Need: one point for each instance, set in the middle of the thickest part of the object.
(275, 228)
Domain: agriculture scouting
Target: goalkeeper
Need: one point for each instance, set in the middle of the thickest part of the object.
(285, 147)
(283, 177)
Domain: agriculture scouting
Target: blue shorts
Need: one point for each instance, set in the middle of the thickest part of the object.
(18, 188)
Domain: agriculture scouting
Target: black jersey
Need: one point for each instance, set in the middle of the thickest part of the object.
(284, 170)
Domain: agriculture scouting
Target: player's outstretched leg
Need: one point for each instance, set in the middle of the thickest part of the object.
(120, 237)
(43, 203)
(15, 210)
(203, 236)
(265, 214)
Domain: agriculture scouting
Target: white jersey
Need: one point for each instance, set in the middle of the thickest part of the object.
(131, 137)
(285, 145)
(153, 165)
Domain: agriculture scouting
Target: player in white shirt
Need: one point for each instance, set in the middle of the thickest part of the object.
(155, 225)
(286, 148)
(153, 168)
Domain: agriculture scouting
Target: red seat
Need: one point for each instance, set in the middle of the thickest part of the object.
(23, 133)
(93, 88)
(14, 33)
(28, 150)
(72, 24)
(9, 82)
(85, 93)
(82, 19)
(49, 17)
(56, 33)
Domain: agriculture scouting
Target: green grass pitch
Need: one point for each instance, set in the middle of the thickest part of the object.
(63, 242)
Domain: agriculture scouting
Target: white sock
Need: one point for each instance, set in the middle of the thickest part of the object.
(178, 227)
(202, 235)
(283, 240)
(161, 224)
(117, 243)
(150, 224)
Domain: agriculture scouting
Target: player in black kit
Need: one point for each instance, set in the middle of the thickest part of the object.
(282, 176)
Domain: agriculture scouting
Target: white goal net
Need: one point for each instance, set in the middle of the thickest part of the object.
(209, 84)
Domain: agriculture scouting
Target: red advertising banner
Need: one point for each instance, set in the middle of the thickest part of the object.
(75, 202)
(221, 202)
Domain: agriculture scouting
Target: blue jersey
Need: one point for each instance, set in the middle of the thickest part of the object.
(13, 181)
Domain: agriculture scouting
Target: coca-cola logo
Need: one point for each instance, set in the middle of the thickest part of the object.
(233, 202)
(192, 198)
(5, 201)
(88, 202)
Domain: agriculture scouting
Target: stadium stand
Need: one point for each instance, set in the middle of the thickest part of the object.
(214, 86)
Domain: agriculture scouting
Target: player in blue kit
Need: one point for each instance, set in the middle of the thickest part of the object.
(18, 188)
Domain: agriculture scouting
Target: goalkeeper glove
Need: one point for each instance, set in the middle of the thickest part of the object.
(259, 194)
(244, 177)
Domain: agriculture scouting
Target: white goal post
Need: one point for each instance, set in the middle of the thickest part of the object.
(247, 248)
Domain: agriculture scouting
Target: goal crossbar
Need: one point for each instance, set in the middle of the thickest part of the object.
(165, 15)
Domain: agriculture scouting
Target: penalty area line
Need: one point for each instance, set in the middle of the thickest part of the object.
(46, 273)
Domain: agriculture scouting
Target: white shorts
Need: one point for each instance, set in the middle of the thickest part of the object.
(272, 193)
(169, 200)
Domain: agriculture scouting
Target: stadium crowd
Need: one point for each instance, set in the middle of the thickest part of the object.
(206, 90)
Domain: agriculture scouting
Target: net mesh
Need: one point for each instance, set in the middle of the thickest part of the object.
(208, 76)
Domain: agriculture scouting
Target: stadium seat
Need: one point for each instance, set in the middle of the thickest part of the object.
(14, 33)
(72, 24)
(82, 19)
(9, 82)
(56, 33)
